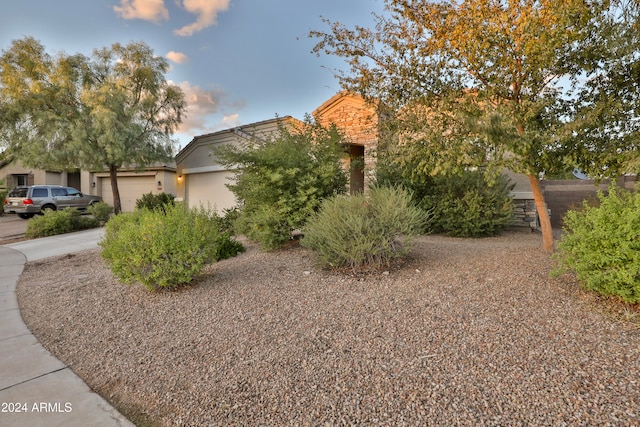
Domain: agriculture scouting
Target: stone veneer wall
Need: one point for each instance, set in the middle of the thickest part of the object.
(524, 213)
(357, 120)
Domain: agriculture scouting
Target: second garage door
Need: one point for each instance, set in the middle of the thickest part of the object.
(131, 188)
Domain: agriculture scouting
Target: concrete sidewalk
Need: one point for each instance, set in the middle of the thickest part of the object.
(36, 389)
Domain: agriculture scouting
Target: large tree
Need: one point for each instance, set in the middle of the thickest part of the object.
(604, 135)
(475, 82)
(110, 110)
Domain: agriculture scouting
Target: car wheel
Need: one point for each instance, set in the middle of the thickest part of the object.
(25, 216)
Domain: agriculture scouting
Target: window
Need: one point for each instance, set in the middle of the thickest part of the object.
(57, 192)
(39, 192)
(19, 192)
(73, 192)
(19, 180)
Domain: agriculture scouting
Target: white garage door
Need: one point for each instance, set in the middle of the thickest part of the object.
(209, 190)
(131, 188)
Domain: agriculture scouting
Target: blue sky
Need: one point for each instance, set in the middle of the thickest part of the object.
(238, 61)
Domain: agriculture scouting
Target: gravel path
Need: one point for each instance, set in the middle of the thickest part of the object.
(466, 332)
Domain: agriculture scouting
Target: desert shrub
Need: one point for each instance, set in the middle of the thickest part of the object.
(155, 201)
(226, 222)
(601, 244)
(101, 211)
(283, 180)
(468, 204)
(58, 222)
(164, 249)
(364, 231)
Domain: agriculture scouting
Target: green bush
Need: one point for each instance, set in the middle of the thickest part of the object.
(152, 201)
(164, 249)
(58, 222)
(468, 204)
(100, 211)
(226, 222)
(283, 180)
(364, 231)
(601, 244)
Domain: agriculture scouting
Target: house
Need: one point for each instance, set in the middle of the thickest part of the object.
(200, 180)
(360, 122)
(132, 183)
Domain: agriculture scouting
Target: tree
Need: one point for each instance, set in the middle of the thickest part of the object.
(280, 181)
(607, 105)
(474, 82)
(70, 111)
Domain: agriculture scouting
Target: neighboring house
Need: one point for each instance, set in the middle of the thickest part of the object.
(15, 173)
(132, 183)
(201, 181)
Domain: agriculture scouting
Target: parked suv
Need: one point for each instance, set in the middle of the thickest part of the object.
(35, 199)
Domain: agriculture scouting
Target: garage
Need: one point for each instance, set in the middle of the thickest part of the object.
(208, 189)
(131, 189)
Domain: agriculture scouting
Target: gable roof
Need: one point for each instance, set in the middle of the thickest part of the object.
(244, 131)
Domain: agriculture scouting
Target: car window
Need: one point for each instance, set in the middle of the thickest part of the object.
(72, 191)
(58, 192)
(39, 192)
(18, 192)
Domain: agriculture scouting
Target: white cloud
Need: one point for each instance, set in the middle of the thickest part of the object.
(177, 57)
(202, 105)
(207, 12)
(148, 10)
(230, 121)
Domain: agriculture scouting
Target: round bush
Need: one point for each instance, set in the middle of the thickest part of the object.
(469, 204)
(100, 211)
(164, 248)
(61, 221)
(601, 244)
(155, 201)
(364, 231)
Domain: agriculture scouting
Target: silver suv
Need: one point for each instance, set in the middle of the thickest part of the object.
(35, 199)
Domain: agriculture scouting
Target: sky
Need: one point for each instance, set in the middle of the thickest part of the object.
(237, 61)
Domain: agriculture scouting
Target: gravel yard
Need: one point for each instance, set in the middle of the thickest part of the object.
(466, 332)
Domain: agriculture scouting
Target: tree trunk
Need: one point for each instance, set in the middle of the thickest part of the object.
(113, 177)
(543, 215)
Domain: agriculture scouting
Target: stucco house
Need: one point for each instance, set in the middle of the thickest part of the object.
(200, 180)
(132, 182)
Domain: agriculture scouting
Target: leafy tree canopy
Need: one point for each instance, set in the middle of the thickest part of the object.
(487, 82)
(281, 180)
(109, 110)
